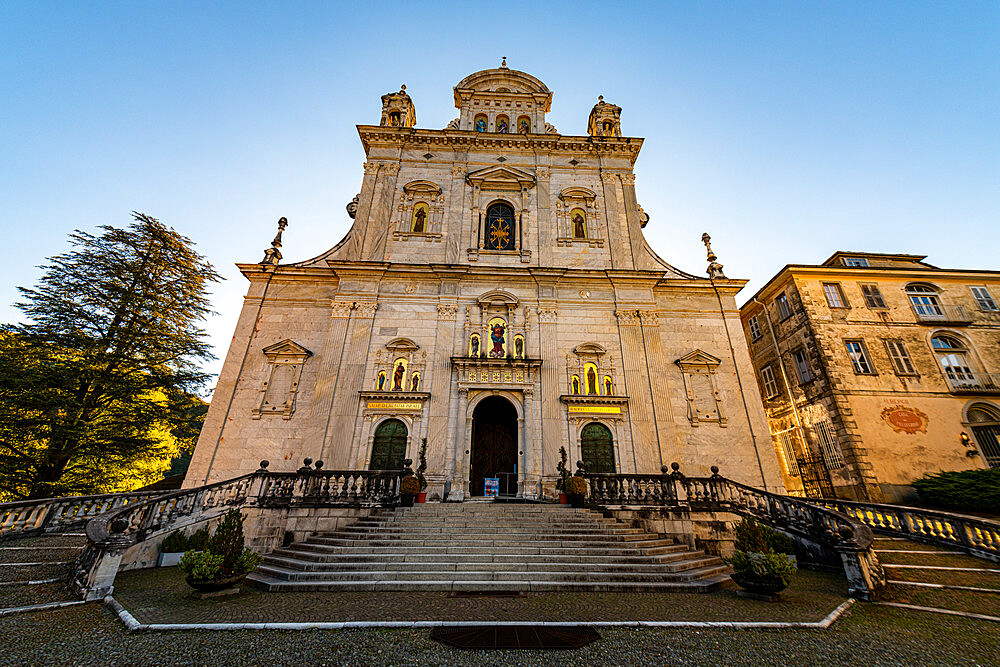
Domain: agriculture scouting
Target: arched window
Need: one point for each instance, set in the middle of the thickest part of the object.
(951, 353)
(502, 125)
(480, 123)
(985, 423)
(924, 301)
(597, 449)
(389, 446)
(523, 125)
(574, 384)
(398, 374)
(590, 378)
(499, 228)
(579, 221)
(421, 216)
(609, 388)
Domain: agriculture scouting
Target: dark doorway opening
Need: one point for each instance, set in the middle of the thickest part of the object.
(494, 446)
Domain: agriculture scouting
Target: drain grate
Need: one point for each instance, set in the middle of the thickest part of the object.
(515, 636)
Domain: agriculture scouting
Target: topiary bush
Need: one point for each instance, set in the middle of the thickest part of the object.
(971, 490)
(576, 486)
(562, 470)
(224, 556)
(410, 486)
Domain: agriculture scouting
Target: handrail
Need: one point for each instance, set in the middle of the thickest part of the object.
(21, 518)
(975, 535)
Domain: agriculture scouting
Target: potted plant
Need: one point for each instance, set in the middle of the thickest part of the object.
(563, 476)
(225, 561)
(576, 490)
(408, 489)
(421, 469)
(172, 548)
(757, 566)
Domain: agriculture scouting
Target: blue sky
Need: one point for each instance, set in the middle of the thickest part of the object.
(786, 130)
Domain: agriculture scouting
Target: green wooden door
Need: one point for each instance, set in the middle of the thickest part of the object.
(597, 449)
(389, 448)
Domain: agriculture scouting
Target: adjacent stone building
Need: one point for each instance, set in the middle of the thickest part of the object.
(495, 295)
(877, 369)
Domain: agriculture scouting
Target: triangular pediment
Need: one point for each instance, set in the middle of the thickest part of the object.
(590, 348)
(422, 187)
(501, 178)
(286, 348)
(698, 358)
(402, 345)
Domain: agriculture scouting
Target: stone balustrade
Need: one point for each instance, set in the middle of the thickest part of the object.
(27, 517)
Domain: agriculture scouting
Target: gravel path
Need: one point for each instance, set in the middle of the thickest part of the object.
(867, 635)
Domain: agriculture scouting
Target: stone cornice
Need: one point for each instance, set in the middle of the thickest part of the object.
(593, 399)
(396, 137)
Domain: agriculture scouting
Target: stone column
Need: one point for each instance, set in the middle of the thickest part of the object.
(545, 228)
(462, 433)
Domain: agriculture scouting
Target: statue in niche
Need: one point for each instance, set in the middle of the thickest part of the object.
(607, 387)
(474, 347)
(380, 385)
(591, 381)
(397, 377)
(576, 385)
(579, 230)
(498, 338)
(415, 383)
(519, 348)
(523, 126)
(480, 125)
(502, 126)
(418, 220)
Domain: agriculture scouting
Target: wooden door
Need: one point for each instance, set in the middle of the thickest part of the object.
(494, 446)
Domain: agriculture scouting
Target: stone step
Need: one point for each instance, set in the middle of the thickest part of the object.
(479, 541)
(610, 551)
(14, 572)
(297, 553)
(479, 525)
(700, 586)
(403, 533)
(489, 575)
(34, 554)
(678, 565)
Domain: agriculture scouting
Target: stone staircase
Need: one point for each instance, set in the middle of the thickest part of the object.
(484, 547)
(939, 579)
(34, 570)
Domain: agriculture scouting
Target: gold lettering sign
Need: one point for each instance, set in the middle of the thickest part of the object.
(392, 405)
(597, 409)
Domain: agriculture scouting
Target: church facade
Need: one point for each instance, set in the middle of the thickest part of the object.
(496, 297)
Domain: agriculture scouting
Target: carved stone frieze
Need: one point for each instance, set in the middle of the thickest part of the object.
(649, 318)
(628, 317)
(341, 308)
(365, 308)
(447, 311)
(547, 314)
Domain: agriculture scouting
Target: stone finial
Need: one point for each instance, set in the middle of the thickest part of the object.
(714, 268)
(503, 63)
(273, 254)
(352, 207)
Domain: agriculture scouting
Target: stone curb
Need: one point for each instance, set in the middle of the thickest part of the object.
(40, 607)
(950, 587)
(134, 626)
(936, 610)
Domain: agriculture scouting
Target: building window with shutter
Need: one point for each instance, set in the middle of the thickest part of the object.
(802, 366)
(834, 295)
(784, 310)
(859, 357)
(901, 362)
(873, 297)
(832, 457)
(754, 325)
(770, 384)
(984, 300)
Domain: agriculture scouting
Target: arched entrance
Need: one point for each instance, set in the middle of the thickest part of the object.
(494, 445)
(389, 446)
(597, 448)
(985, 423)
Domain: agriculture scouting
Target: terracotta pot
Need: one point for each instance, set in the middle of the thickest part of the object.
(563, 499)
(422, 497)
(761, 585)
(210, 585)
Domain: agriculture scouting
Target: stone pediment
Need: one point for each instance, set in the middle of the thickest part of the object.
(590, 348)
(698, 358)
(498, 297)
(422, 187)
(576, 193)
(286, 348)
(402, 345)
(501, 178)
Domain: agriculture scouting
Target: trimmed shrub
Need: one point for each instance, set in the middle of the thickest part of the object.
(762, 565)
(410, 486)
(576, 486)
(176, 542)
(224, 555)
(973, 490)
(752, 537)
(198, 540)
